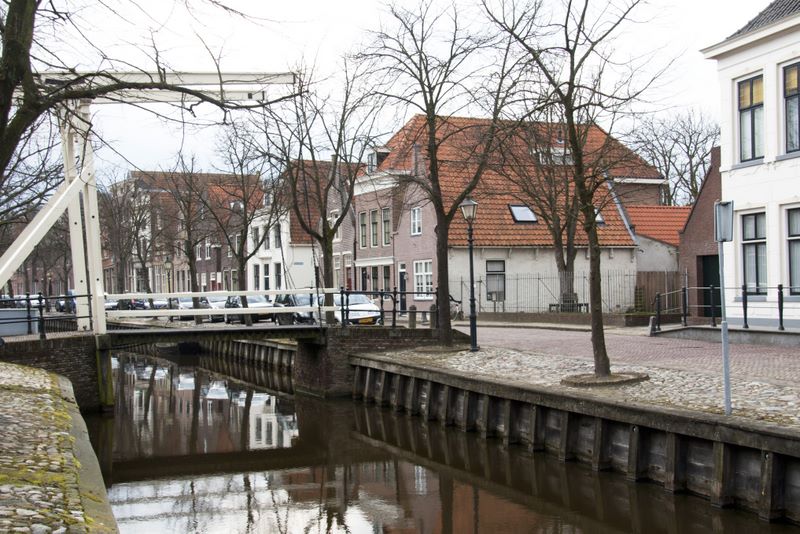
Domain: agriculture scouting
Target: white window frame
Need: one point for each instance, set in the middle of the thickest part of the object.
(331, 221)
(374, 228)
(208, 249)
(386, 226)
(362, 229)
(423, 279)
(416, 221)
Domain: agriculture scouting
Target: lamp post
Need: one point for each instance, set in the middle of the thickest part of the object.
(168, 268)
(468, 209)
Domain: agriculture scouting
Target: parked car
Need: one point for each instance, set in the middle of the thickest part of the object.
(256, 302)
(186, 303)
(66, 303)
(360, 309)
(111, 304)
(217, 302)
(291, 301)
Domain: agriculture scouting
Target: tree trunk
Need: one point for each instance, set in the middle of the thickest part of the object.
(327, 273)
(242, 267)
(442, 278)
(602, 366)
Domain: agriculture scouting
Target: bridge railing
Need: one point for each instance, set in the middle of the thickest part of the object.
(349, 307)
(31, 314)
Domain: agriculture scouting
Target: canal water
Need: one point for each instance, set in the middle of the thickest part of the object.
(225, 448)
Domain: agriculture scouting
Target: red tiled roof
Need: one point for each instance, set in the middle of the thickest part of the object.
(495, 225)
(661, 223)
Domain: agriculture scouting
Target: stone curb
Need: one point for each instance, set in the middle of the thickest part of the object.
(94, 498)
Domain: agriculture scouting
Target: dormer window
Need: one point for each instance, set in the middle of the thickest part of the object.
(598, 217)
(556, 155)
(522, 214)
(372, 162)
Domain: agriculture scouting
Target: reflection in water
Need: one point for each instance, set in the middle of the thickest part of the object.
(197, 451)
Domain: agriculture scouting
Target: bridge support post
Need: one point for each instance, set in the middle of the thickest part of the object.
(105, 382)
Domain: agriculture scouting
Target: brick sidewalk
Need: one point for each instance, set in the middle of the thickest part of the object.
(766, 363)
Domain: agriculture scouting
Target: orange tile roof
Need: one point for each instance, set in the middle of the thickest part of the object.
(495, 225)
(661, 223)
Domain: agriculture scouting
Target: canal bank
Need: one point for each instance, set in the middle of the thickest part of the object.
(668, 430)
(50, 479)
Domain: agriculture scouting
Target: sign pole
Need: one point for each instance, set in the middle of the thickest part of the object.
(723, 231)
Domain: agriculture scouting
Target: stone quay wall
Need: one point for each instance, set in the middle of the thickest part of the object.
(755, 466)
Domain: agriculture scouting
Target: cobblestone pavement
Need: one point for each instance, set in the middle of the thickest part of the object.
(683, 374)
(39, 490)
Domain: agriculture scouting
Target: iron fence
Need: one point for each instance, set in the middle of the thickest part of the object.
(622, 291)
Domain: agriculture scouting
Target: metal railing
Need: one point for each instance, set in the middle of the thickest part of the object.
(345, 312)
(769, 303)
(37, 312)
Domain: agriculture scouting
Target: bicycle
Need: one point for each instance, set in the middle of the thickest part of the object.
(455, 309)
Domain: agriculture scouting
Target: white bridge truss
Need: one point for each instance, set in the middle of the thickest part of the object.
(80, 181)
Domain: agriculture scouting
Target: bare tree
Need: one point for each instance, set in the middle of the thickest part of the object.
(244, 194)
(343, 126)
(187, 219)
(115, 202)
(679, 146)
(434, 64)
(39, 76)
(568, 50)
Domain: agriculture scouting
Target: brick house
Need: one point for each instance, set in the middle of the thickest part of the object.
(698, 252)
(394, 240)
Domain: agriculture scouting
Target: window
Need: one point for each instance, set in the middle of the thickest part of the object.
(256, 276)
(203, 281)
(278, 276)
(495, 280)
(751, 118)
(754, 252)
(791, 97)
(373, 224)
(522, 214)
(208, 249)
(423, 279)
(598, 217)
(372, 162)
(387, 278)
(256, 237)
(278, 242)
(416, 221)
(266, 238)
(387, 227)
(374, 282)
(793, 218)
(265, 268)
(362, 225)
(331, 221)
(198, 252)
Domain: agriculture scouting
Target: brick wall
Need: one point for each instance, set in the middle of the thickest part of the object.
(697, 239)
(72, 357)
(323, 368)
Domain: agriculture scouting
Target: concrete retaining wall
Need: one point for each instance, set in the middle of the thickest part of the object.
(754, 467)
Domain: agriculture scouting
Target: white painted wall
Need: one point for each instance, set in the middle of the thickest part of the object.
(770, 186)
(532, 278)
(652, 255)
(297, 260)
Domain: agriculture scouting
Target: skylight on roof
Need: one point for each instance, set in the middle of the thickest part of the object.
(522, 214)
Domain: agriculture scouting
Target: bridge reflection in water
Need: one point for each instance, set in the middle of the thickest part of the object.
(191, 449)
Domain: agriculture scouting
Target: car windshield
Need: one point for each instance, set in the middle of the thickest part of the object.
(352, 300)
(189, 299)
(253, 299)
(302, 300)
(216, 298)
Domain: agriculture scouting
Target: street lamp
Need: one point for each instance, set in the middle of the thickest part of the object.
(168, 268)
(468, 209)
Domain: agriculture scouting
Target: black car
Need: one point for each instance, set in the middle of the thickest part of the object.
(291, 301)
(259, 303)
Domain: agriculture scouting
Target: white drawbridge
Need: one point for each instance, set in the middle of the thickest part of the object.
(79, 177)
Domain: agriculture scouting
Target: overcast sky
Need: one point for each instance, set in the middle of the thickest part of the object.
(320, 31)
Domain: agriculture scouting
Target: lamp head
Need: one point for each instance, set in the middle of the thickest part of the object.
(469, 209)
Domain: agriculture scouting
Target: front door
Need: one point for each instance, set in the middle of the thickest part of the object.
(401, 273)
(709, 276)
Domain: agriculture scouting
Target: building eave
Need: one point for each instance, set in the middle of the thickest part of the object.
(731, 45)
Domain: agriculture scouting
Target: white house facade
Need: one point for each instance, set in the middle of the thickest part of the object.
(279, 262)
(759, 69)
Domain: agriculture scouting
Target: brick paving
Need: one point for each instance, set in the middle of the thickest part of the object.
(683, 374)
(767, 363)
